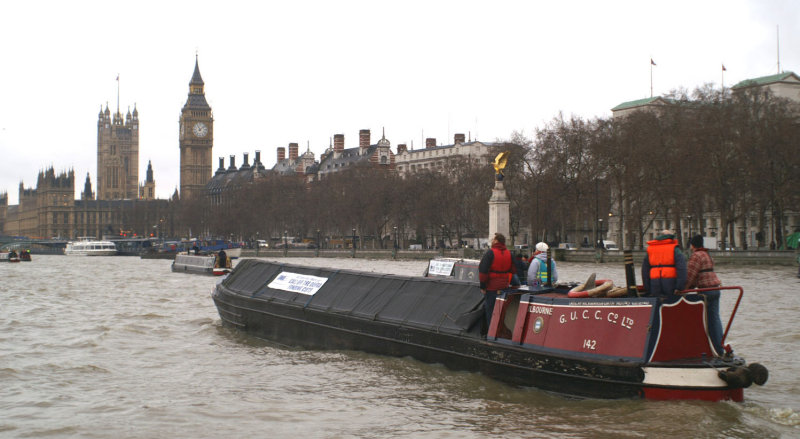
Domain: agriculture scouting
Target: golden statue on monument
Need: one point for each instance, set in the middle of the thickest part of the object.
(500, 163)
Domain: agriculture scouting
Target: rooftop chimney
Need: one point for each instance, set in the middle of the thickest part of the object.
(459, 138)
(246, 164)
(281, 154)
(401, 148)
(257, 162)
(363, 139)
(292, 151)
(232, 167)
(430, 142)
(338, 142)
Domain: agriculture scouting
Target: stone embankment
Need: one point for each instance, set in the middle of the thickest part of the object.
(739, 257)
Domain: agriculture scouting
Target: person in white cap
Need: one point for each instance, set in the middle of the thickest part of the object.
(537, 271)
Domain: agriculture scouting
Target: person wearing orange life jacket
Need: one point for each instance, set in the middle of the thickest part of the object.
(495, 272)
(664, 269)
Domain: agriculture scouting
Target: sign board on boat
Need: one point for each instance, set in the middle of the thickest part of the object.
(297, 283)
(440, 267)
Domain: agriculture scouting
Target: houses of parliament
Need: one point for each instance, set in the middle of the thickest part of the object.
(120, 204)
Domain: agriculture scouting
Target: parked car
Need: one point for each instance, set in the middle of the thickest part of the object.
(567, 246)
(610, 245)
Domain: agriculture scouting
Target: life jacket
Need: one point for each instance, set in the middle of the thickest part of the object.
(661, 254)
(501, 264)
(542, 273)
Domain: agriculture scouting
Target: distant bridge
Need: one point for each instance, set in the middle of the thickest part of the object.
(35, 245)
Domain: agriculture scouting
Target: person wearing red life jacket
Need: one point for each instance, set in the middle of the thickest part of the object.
(495, 272)
(664, 269)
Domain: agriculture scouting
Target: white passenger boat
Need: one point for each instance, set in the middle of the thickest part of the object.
(89, 247)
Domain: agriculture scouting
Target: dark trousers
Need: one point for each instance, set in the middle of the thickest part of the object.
(488, 305)
(714, 322)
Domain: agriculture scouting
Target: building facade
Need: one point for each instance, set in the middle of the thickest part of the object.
(338, 159)
(438, 158)
(751, 230)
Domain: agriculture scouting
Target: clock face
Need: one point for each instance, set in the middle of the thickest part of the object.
(200, 129)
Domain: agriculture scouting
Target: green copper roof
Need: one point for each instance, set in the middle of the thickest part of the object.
(764, 80)
(636, 103)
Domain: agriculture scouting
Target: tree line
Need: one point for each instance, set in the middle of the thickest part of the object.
(709, 150)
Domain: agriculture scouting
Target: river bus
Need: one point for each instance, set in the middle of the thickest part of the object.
(90, 247)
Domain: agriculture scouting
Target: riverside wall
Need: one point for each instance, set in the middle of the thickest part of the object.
(786, 258)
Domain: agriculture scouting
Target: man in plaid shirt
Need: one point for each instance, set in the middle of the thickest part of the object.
(700, 274)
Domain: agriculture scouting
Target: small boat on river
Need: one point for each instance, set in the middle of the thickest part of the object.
(201, 264)
(9, 256)
(625, 347)
(90, 247)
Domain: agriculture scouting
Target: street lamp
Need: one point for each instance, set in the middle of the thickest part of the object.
(690, 227)
(394, 249)
(316, 251)
(600, 220)
(354, 242)
(441, 247)
(285, 242)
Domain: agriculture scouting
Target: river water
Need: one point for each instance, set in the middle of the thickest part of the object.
(120, 347)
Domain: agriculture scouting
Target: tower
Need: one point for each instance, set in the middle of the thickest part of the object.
(196, 139)
(117, 155)
(147, 190)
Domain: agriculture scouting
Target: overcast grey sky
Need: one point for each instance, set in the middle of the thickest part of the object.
(302, 71)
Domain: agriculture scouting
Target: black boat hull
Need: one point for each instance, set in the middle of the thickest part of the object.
(316, 330)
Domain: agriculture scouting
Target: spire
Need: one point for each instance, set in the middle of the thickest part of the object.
(196, 78)
(149, 178)
(197, 98)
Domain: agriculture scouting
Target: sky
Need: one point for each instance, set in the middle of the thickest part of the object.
(278, 72)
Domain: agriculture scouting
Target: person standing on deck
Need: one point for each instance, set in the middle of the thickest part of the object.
(701, 275)
(537, 272)
(522, 268)
(664, 268)
(494, 272)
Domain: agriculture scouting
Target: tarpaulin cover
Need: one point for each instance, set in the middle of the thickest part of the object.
(441, 305)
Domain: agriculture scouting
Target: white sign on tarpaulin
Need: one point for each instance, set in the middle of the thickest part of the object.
(297, 283)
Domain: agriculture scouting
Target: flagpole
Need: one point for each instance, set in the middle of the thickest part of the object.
(651, 76)
(117, 93)
(722, 79)
(778, 45)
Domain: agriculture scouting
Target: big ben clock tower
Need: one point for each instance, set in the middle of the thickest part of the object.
(196, 139)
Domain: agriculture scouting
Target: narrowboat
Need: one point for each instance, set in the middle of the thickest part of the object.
(201, 264)
(597, 347)
(9, 256)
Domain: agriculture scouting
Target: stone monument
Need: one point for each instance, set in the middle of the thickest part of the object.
(498, 203)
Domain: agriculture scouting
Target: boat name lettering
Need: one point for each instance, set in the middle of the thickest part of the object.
(590, 344)
(536, 309)
(610, 317)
